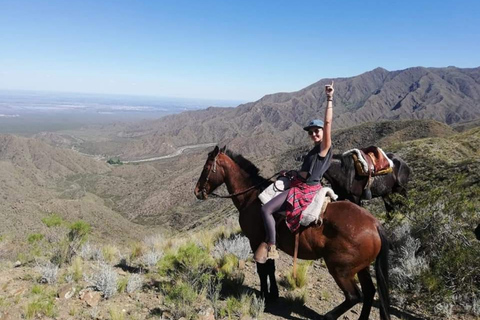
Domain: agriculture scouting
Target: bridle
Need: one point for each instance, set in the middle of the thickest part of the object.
(213, 169)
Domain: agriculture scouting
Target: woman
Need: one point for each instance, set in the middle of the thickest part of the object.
(305, 185)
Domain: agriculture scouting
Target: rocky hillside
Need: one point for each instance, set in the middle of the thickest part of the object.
(273, 123)
(37, 180)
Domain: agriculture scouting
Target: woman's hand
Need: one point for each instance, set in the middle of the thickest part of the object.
(329, 90)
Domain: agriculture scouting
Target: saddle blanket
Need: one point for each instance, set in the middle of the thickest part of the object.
(359, 155)
(312, 213)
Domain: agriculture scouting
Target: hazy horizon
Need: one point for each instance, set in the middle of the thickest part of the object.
(28, 112)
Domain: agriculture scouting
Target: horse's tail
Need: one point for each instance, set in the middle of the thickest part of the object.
(381, 272)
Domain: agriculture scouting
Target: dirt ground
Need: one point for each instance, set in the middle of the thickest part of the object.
(322, 293)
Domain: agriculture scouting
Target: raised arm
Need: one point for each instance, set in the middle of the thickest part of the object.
(327, 127)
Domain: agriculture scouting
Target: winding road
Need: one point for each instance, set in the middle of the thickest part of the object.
(176, 153)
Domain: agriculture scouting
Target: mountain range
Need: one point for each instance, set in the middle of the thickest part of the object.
(272, 124)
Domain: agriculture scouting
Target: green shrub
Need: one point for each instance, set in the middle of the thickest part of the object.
(52, 220)
(122, 284)
(43, 302)
(291, 283)
(79, 231)
(116, 314)
(115, 161)
(182, 295)
(228, 264)
(435, 257)
(35, 237)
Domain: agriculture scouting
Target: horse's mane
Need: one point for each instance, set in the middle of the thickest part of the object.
(246, 165)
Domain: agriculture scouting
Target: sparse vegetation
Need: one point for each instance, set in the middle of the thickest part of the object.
(35, 237)
(435, 254)
(114, 161)
(104, 279)
(42, 303)
(52, 220)
(291, 283)
(237, 245)
(48, 272)
(135, 282)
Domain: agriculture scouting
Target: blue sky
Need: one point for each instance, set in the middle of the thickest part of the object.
(239, 50)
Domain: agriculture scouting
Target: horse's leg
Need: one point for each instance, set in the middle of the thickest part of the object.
(368, 291)
(263, 274)
(273, 296)
(351, 292)
(388, 206)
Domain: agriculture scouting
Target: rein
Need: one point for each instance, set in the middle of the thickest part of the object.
(231, 195)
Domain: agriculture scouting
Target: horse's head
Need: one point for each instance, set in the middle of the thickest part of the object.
(212, 175)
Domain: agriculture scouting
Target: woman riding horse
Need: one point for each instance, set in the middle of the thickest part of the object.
(349, 239)
(306, 183)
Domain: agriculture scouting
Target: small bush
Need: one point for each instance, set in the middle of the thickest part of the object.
(238, 245)
(52, 220)
(79, 231)
(77, 269)
(137, 249)
(122, 284)
(104, 280)
(151, 258)
(182, 296)
(135, 282)
(289, 282)
(114, 161)
(43, 303)
(109, 253)
(35, 237)
(228, 264)
(48, 272)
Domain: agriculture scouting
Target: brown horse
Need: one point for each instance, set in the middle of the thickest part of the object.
(349, 186)
(349, 239)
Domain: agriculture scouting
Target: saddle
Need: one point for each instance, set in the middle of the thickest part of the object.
(370, 161)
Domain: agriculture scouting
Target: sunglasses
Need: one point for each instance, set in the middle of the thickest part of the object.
(316, 131)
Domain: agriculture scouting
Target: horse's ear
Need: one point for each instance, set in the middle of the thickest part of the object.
(223, 149)
(215, 151)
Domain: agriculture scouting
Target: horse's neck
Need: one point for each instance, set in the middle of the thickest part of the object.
(237, 181)
(335, 173)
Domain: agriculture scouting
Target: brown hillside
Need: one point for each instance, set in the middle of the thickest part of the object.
(448, 95)
(37, 179)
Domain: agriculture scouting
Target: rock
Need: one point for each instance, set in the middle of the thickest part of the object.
(66, 292)
(207, 314)
(241, 264)
(91, 298)
(17, 264)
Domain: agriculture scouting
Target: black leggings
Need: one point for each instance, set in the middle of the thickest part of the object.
(276, 204)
